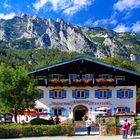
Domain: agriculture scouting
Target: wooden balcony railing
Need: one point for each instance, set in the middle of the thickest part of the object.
(91, 82)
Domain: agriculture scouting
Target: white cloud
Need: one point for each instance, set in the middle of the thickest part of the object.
(39, 4)
(68, 7)
(122, 5)
(122, 28)
(100, 22)
(6, 5)
(7, 16)
(136, 27)
(76, 6)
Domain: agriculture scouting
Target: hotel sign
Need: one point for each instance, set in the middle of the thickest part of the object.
(76, 102)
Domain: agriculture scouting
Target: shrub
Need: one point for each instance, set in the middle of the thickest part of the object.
(138, 132)
(111, 123)
(9, 131)
(102, 121)
(40, 121)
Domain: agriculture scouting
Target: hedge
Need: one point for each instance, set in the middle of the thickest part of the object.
(13, 131)
(40, 121)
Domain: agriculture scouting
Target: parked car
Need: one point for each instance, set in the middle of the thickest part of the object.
(6, 118)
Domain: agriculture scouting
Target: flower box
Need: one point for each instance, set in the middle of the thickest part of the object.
(100, 80)
(86, 81)
(110, 80)
(54, 81)
(76, 81)
(64, 81)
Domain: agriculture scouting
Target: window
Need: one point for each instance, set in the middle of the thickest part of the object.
(125, 93)
(74, 76)
(121, 110)
(56, 76)
(58, 111)
(87, 76)
(80, 94)
(41, 93)
(105, 76)
(103, 94)
(57, 94)
(119, 77)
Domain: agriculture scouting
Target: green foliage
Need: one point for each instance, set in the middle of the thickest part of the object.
(138, 132)
(138, 94)
(102, 121)
(40, 121)
(18, 90)
(111, 123)
(120, 63)
(17, 131)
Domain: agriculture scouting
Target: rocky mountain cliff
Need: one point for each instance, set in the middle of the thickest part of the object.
(25, 31)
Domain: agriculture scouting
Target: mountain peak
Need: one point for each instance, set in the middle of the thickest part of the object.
(24, 31)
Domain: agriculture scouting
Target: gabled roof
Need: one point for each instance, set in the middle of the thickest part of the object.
(87, 59)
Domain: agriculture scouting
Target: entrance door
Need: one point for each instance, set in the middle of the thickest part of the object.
(79, 114)
(79, 111)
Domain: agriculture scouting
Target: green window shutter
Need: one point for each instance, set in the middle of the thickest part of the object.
(41, 94)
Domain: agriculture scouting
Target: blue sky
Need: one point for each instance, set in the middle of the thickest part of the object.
(120, 15)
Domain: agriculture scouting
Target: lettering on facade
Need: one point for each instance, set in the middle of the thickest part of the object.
(75, 102)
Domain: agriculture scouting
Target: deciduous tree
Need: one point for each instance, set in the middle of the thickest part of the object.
(17, 90)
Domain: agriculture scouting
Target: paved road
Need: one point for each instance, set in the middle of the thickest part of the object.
(81, 137)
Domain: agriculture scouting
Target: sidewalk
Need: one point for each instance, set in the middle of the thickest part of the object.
(81, 137)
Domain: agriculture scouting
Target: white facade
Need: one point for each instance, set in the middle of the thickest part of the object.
(91, 103)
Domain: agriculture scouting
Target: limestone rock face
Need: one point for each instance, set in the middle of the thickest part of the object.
(23, 31)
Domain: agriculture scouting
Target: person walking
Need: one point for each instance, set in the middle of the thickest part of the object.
(133, 128)
(125, 128)
(88, 123)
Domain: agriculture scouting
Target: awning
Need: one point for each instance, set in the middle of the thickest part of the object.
(103, 108)
(98, 112)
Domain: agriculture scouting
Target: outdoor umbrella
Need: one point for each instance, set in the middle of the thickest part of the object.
(103, 108)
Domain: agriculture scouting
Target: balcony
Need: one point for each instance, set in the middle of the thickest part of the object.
(77, 80)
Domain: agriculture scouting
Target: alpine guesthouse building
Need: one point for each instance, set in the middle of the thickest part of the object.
(83, 86)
